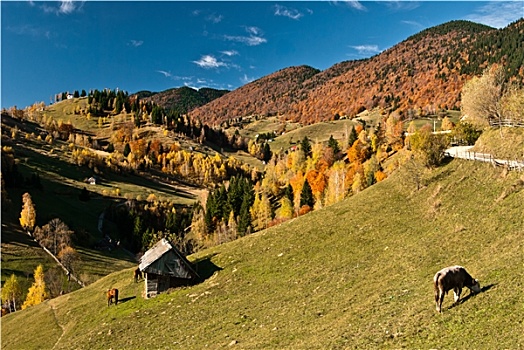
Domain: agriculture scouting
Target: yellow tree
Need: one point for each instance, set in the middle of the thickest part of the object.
(285, 212)
(357, 183)
(261, 211)
(28, 214)
(394, 131)
(198, 233)
(37, 292)
(11, 292)
(335, 190)
(232, 226)
(447, 124)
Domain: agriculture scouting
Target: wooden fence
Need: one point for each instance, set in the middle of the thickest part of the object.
(507, 123)
(515, 164)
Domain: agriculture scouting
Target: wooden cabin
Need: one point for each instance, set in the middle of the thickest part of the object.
(164, 267)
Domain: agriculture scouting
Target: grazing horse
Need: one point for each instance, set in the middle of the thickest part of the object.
(137, 274)
(453, 277)
(112, 294)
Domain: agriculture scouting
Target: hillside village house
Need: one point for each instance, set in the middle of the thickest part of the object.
(164, 267)
(92, 180)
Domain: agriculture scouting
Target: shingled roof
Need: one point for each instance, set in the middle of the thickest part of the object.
(165, 259)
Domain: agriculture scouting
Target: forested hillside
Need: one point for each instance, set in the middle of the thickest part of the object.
(419, 76)
(182, 100)
(270, 95)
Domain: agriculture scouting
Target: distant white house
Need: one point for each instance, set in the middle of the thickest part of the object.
(92, 180)
(69, 96)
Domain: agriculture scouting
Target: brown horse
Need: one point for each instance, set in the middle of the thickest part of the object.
(112, 294)
(137, 274)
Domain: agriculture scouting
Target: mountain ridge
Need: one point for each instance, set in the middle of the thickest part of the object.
(419, 75)
(181, 99)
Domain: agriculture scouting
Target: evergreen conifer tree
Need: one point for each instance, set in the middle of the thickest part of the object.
(244, 220)
(305, 146)
(352, 137)
(127, 150)
(248, 198)
(234, 195)
(266, 152)
(333, 144)
(288, 192)
(306, 196)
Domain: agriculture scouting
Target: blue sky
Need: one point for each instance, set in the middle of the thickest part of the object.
(51, 47)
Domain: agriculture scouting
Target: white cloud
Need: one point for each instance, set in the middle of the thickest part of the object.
(253, 30)
(356, 5)
(250, 41)
(402, 5)
(66, 7)
(30, 30)
(287, 12)
(166, 74)
(201, 82)
(136, 43)
(366, 49)
(255, 37)
(245, 79)
(413, 24)
(215, 18)
(498, 14)
(229, 53)
(352, 3)
(209, 61)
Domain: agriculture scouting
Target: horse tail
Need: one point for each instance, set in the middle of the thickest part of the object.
(116, 296)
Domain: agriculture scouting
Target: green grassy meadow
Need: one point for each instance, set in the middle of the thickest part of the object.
(355, 275)
(319, 132)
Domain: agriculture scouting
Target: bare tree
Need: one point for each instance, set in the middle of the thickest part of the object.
(55, 236)
(54, 281)
(68, 257)
(481, 96)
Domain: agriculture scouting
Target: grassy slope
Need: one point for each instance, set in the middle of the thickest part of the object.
(507, 143)
(62, 182)
(354, 275)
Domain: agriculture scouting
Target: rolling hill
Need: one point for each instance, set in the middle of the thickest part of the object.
(420, 75)
(182, 99)
(357, 274)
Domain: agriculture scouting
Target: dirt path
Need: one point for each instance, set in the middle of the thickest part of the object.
(53, 310)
